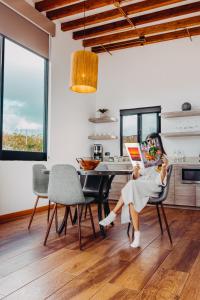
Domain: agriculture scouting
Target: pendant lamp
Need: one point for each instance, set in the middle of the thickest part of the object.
(84, 70)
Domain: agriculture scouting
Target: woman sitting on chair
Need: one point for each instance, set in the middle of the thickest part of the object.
(146, 183)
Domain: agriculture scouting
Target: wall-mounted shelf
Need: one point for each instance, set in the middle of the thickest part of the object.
(103, 120)
(102, 137)
(180, 134)
(176, 114)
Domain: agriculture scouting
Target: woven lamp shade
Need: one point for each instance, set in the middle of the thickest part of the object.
(84, 72)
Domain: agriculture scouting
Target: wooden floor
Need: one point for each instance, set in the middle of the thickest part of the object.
(107, 268)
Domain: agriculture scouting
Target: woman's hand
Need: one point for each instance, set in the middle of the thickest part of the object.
(136, 171)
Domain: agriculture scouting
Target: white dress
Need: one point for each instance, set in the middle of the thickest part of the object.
(138, 191)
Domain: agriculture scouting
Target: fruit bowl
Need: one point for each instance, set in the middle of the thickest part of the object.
(87, 163)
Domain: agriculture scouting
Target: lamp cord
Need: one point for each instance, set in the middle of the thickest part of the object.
(84, 25)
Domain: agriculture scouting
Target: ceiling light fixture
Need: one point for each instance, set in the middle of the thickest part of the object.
(84, 70)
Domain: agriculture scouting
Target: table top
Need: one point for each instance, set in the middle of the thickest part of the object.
(104, 173)
(99, 173)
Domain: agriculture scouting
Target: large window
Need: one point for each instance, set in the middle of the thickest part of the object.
(23, 125)
(136, 124)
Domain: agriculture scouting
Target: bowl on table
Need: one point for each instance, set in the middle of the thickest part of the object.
(88, 163)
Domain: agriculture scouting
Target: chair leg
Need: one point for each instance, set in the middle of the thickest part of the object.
(79, 225)
(128, 228)
(86, 208)
(92, 220)
(159, 218)
(82, 207)
(33, 213)
(48, 213)
(56, 218)
(166, 223)
(49, 225)
(67, 211)
(70, 214)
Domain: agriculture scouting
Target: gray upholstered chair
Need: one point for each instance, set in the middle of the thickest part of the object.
(40, 188)
(159, 201)
(65, 189)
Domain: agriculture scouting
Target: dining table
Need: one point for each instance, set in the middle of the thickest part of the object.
(106, 177)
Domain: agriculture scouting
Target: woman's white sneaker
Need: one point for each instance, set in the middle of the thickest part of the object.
(136, 241)
(108, 220)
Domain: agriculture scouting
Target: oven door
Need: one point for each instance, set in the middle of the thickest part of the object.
(190, 175)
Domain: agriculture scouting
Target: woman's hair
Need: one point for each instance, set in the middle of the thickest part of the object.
(157, 136)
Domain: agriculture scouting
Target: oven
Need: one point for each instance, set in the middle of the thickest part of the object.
(191, 174)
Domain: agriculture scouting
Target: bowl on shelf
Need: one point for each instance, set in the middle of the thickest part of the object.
(88, 163)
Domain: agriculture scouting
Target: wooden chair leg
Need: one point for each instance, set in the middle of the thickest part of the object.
(33, 213)
(49, 225)
(92, 220)
(159, 218)
(48, 213)
(86, 208)
(56, 218)
(79, 226)
(82, 207)
(67, 211)
(70, 214)
(166, 224)
(128, 228)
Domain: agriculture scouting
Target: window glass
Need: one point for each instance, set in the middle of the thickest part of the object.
(23, 99)
(149, 124)
(130, 130)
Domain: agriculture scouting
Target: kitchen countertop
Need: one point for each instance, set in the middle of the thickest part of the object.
(129, 163)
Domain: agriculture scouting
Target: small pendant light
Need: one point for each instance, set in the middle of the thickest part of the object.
(84, 70)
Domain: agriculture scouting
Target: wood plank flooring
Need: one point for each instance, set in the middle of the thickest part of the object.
(106, 268)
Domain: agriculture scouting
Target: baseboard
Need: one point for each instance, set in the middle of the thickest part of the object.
(18, 214)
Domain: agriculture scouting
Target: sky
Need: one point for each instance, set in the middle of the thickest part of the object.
(23, 89)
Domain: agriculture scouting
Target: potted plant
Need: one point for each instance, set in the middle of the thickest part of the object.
(103, 112)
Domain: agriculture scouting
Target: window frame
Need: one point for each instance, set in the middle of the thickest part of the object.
(139, 112)
(23, 155)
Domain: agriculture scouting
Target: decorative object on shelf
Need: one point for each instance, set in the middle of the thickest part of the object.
(103, 112)
(186, 106)
(88, 163)
(84, 70)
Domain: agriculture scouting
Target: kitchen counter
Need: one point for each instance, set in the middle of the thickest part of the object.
(129, 163)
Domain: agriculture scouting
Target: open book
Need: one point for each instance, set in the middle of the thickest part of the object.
(144, 155)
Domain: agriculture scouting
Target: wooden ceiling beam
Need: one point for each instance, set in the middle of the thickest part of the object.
(184, 33)
(78, 8)
(140, 20)
(149, 30)
(115, 13)
(52, 4)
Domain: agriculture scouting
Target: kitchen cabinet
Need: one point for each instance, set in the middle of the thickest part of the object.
(185, 194)
(171, 197)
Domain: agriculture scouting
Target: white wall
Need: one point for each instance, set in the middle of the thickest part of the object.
(165, 74)
(68, 132)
